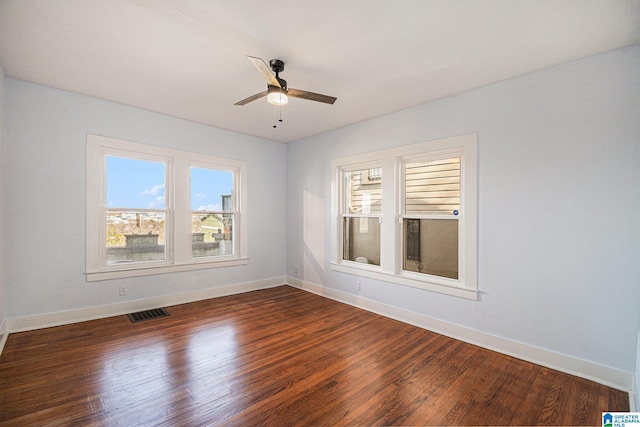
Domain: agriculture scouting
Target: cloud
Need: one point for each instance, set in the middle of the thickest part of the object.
(157, 202)
(153, 191)
(200, 196)
(210, 207)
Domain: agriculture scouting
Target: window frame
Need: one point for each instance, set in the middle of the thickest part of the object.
(392, 251)
(178, 241)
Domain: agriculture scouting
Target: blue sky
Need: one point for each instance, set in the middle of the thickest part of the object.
(135, 183)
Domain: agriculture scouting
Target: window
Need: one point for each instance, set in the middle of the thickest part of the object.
(135, 209)
(430, 216)
(152, 210)
(424, 211)
(212, 214)
(361, 216)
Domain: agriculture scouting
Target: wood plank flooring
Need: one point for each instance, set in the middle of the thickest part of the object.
(278, 357)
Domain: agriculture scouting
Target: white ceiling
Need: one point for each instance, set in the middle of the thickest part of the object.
(187, 58)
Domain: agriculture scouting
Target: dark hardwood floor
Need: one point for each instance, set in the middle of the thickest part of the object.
(279, 357)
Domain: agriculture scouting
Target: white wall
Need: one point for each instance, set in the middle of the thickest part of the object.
(636, 377)
(559, 197)
(45, 173)
(2, 204)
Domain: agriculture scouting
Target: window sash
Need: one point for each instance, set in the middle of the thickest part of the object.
(224, 234)
(362, 195)
(134, 244)
(431, 189)
(361, 207)
(358, 234)
(431, 186)
(437, 260)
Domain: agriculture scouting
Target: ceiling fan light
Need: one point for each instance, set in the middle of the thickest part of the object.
(276, 96)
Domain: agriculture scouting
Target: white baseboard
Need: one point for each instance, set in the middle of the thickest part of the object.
(48, 320)
(602, 374)
(4, 334)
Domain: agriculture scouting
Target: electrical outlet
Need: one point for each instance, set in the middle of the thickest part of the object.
(123, 291)
(295, 272)
(358, 286)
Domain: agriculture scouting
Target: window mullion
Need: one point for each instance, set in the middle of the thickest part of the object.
(388, 234)
(338, 209)
(180, 209)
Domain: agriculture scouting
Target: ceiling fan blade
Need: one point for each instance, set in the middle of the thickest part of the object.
(264, 69)
(251, 98)
(297, 93)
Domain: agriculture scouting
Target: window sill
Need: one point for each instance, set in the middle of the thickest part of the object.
(430, 283)
(95, 276)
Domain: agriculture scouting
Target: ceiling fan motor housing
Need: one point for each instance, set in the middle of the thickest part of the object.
(276, 65)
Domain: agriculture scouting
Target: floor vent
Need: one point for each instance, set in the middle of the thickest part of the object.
(147, 315)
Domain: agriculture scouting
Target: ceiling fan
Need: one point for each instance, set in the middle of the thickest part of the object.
(277, 92)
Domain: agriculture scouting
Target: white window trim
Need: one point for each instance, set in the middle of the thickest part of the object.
(177, 201)
(390, 269)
